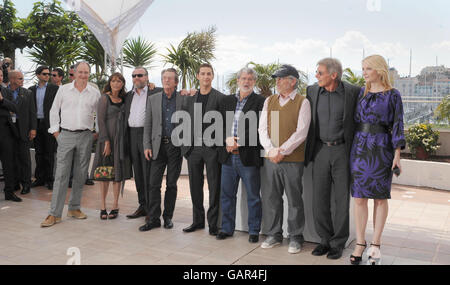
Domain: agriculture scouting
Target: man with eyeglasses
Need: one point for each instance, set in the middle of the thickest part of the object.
(71, 73)
(328, 147)
(25, 122)
(135, 109)
(43, 95)
(57, 76)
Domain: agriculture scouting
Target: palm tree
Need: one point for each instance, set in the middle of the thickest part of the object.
(265, 83)
(195, 49)
(350, 77)
(138, 52)
(93, 52)
(55, 54)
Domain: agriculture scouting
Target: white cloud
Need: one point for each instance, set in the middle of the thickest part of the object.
(445, 45)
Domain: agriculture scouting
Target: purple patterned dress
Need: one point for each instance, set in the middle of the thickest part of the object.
(372, 154)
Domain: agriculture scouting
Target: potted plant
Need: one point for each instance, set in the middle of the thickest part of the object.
(422, 140)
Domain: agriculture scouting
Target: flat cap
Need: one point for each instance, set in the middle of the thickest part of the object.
(286, 70)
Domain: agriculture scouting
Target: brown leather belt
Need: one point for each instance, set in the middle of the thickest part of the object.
(236, 151)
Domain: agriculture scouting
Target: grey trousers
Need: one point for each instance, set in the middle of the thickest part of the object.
(331, 173)
(275, 180)
(75, 146)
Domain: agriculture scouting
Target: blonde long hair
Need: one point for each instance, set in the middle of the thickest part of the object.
(379, 64)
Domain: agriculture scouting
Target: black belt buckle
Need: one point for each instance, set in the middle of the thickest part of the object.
(165, 140)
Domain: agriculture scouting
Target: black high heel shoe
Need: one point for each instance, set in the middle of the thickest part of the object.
(356, 260)
(113, 214)
(103, 214)
(374, 254)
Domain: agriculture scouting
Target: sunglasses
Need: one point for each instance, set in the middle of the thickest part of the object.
(71, 74)
(45, 74)
(54, 75)
(138, 75)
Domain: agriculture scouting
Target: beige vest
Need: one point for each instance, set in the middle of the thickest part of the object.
(287, 125)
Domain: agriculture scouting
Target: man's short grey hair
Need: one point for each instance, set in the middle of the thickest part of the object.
(143, 68)
(247, 70)
(333, 65)
(296, 81)
(171, 69)
(82, 62)
(14, 73)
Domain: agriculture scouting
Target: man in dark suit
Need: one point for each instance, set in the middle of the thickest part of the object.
(328, 147)
(201, 152)
(241, 155)
(160, 149)
(43, 95)
(135, 107)
(7, 131)
(25, 121)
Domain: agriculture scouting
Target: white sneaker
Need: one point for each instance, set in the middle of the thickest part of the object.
(294, 247)
(270, 242)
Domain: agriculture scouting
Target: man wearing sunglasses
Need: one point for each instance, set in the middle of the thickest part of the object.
(57, 76)
(25, 122)
(43, 95)
(135, 109)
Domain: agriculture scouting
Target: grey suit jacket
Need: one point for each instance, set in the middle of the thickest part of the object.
(214, 102)
(153, 121)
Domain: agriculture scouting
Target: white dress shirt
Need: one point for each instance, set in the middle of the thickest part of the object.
(137, 109)
(77, 108)
(298, 137)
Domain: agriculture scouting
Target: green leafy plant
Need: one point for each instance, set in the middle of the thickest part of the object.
(350, 77)
(138, 52)
(422, 135)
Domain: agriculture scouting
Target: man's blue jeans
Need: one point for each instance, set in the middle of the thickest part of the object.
(232, 171)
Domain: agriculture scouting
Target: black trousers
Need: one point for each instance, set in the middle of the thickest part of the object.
(45, 148)
(22, 163)
(198, 158)
(331, 173)
(141, 167)
(7, 154)
(169, 156)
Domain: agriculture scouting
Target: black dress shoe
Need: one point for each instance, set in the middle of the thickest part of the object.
(149, 226)
(140, 212)
(253, 238)
(11, 196)
(89, 182)
(50, 185)
(320, 250)
(25, 190)
(335, 253)
(193, 228)
(37, 183)
(222, 235)
(213, 231)
(168, 223)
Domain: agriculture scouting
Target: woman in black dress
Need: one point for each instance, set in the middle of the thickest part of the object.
(110, 115)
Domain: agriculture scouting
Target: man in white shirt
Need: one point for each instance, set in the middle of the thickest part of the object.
(76, 102)
(283, 138)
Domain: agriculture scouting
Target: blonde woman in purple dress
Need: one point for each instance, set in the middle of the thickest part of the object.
(375, 153)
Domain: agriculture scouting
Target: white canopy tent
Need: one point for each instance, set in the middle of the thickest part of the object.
(110, 20)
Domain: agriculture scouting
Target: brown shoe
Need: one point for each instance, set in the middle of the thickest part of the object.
(77, 214)
(50, 221)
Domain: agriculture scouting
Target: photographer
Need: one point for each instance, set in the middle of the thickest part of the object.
(6, 66)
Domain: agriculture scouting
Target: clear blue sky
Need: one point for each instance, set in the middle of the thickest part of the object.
(301, 32)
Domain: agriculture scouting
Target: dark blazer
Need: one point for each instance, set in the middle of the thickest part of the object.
(50, 94)
(351, 97)
(153, 122)
(250, 155)
(214, 101)
(26, 111)
(128, 100)
(6, 107)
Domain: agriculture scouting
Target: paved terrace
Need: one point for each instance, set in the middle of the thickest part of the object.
(417, 232)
